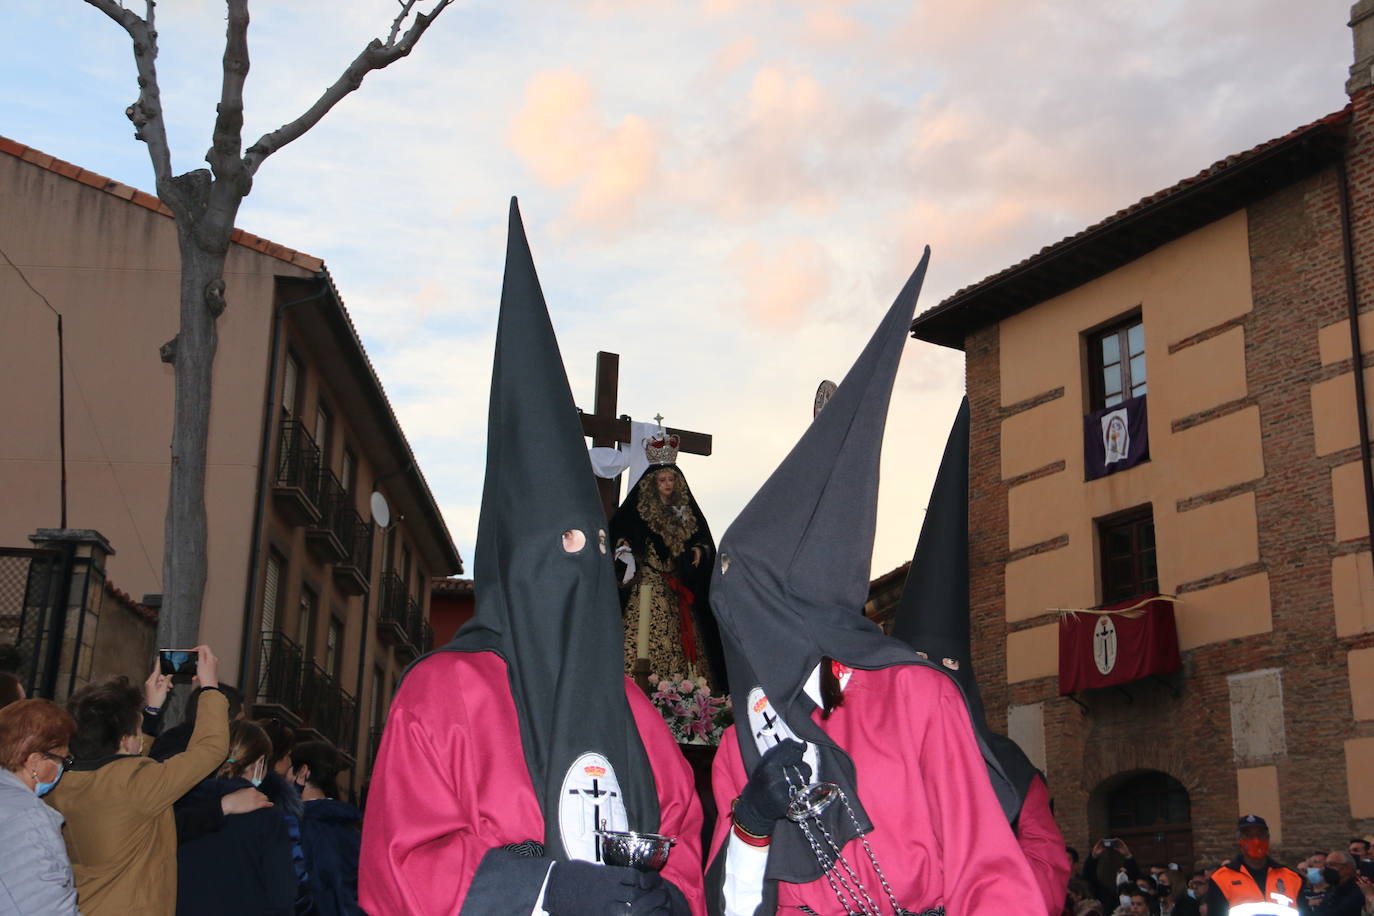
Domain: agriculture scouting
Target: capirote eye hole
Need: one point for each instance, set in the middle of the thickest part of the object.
(724, 563)
(601, 539)
(574, 540)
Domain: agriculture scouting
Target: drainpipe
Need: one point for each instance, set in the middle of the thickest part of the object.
(1357, 351)
(247, 653)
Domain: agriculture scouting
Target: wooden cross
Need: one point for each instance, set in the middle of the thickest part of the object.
(606, 429)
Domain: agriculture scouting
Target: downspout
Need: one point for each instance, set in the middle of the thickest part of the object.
(1356, 350)
(246, 646)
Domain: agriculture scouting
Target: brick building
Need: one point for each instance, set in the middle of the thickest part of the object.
(313, 603)
(1226, 300)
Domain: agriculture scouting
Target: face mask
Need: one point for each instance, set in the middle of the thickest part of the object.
(1125, 900)
(1332, 876)
(1121, 879)
(43, 788)
(1192, 893)
(1314, 876)
(1255, 847)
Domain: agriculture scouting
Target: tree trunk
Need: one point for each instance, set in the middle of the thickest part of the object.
(193, 357)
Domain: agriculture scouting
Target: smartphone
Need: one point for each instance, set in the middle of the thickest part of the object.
(1108, 844)
(177, 661)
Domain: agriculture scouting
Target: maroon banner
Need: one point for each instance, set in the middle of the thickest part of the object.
(1100, 650)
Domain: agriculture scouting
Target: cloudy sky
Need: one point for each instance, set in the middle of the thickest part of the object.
(728, 193)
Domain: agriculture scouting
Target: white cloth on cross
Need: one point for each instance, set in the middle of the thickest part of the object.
(611, 462)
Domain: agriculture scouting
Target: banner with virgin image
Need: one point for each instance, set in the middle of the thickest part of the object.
(1115, 438)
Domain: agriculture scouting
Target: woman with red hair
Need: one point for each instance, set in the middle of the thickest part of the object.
(35, 873)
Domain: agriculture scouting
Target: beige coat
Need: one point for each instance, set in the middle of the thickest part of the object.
(121, 834)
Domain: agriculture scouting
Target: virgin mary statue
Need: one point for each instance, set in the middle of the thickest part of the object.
(663, 551)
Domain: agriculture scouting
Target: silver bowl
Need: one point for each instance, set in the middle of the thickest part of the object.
(644, 851)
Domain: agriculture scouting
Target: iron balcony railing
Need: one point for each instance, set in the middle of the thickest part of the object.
(328, 708)
(288, 680)
(298, 463)
(279, 673)
(415, 620)
(336, 508)
(360, 546)
(391, 609)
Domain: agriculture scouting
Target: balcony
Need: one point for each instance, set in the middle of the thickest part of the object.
(295, 488)
(391, 610)
(410, 647)
(330, 538)
(328, 710)
(352, 572)
(279, 678)
(303, 694)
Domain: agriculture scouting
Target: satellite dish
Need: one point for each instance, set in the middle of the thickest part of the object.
(824, 392)
(381, 512)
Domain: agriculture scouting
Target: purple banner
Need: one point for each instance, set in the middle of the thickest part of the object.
(1115, 438)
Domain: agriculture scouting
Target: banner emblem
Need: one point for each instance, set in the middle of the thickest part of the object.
(1104, 644)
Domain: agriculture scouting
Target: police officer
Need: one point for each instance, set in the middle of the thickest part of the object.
(1253, 883)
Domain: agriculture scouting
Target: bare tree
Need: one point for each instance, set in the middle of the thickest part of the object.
(205, 203)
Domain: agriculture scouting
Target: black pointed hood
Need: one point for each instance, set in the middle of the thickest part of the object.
(933, 614)
(554, 616)
(792, 575)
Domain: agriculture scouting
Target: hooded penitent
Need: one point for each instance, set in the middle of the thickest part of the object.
(792, 577)
(552, 614)
(933, 615)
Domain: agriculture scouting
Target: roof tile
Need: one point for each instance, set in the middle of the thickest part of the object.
(65, 169)
(43, 160)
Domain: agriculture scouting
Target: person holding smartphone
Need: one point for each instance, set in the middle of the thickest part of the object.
(1102, 868)
(121, 835)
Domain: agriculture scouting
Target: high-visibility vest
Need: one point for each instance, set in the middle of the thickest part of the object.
(1279, 898)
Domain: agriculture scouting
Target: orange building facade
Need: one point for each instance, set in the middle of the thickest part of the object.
(1226, 301)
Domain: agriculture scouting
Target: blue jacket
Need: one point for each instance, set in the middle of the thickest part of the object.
(332, 834)
(244, 867)
(35, 873)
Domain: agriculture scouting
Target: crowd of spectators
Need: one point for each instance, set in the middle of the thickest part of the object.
(103, 811)
(1110, 882)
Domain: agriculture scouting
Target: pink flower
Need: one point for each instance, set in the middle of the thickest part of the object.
(686, 686)
(664, 686)
(701, 728)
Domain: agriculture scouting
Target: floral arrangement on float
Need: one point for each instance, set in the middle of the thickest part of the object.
(693, 714)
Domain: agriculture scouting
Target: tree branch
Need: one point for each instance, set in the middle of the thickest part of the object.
(375, 56)
(400, 20)
(227, 139)
(146, 112)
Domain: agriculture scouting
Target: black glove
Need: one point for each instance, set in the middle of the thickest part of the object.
(664, 900)
(767, 794)
(578, 888)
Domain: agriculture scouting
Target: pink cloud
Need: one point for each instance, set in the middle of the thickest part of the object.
(826, 25)
(563, 138)
(780, 282)
(729, 57)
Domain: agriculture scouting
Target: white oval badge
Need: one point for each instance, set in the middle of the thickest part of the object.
(1104, 644)
(590, 798)
(769, 729)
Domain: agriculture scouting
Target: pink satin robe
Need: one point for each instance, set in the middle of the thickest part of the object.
(450, 783)
(1043, 846)
(938, 830)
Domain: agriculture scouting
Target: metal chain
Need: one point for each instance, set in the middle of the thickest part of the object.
(828, 869)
